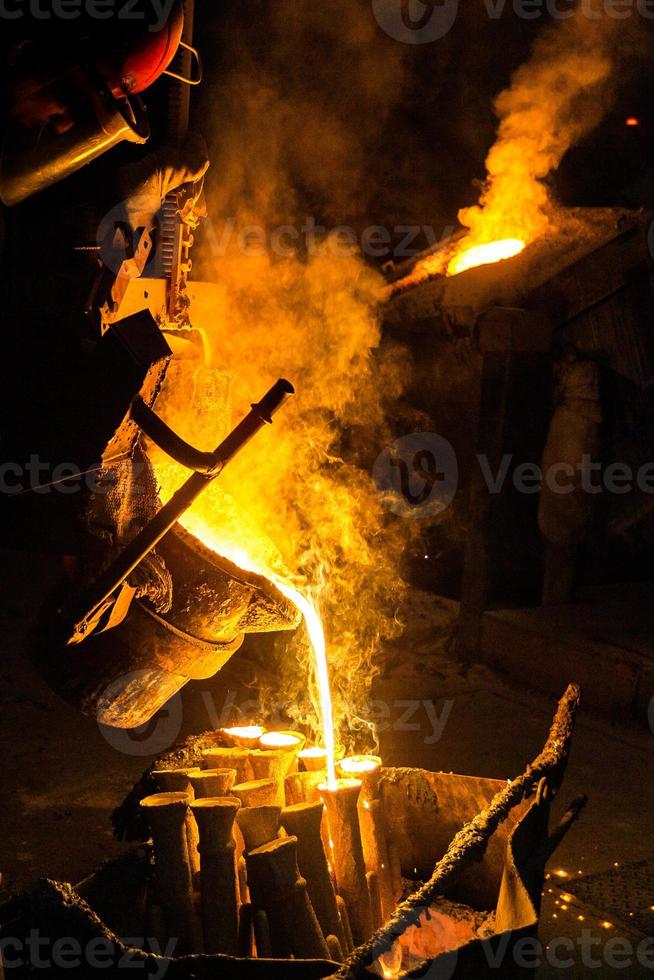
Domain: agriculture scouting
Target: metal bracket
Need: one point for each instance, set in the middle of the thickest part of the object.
(183, 78)
(130, 269)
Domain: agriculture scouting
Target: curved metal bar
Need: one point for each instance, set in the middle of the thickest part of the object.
(168, 440)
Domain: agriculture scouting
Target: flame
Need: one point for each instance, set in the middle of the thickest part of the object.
(486, 254)
(389, 963)
(450, 262)
(557, 97)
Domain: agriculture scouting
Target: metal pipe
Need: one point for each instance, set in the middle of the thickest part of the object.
(276, 765)
(232, 758)
(179, 781)
(347, 854)
(176, 780)
(218, 889)
(167, 815)
(346, 929)
(302, 787)
(372, 823)
(258, 824)
(256, 792)
(303, 822)
(277, 887)
(168, 441)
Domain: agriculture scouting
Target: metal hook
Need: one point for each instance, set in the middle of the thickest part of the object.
(181, 78)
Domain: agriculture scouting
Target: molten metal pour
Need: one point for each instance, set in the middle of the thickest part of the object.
(317, 638)
(204, 531)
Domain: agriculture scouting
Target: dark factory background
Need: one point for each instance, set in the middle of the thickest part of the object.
(310, 111)
(404, 131)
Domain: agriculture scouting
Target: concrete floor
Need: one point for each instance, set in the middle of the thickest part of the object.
(62, 776)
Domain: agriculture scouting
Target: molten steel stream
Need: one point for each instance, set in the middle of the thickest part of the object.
(317, 638)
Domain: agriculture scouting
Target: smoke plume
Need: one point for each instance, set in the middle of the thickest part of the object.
(299, 503)
(554, 100)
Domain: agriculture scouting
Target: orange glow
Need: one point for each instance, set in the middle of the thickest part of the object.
(200, 525)
(632, 121)
(486, 254)
(390, 962)
(279, 740)
(539, 120)
(359, 764)
(452, 261)
(247, 732)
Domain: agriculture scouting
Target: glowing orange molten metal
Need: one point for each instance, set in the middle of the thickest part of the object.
(317, 637)
(280, 740)
(465, 257)
(198, 525)
(486, 254)
(354, 765)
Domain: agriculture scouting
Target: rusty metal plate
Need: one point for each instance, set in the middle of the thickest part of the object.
(424, 810)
